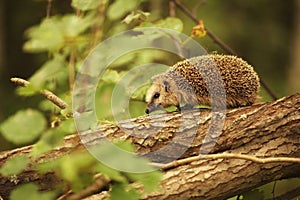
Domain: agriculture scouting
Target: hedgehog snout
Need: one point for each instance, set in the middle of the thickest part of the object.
(152, 107)
(147, 111)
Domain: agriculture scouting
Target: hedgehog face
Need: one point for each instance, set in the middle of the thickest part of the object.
(159, 96)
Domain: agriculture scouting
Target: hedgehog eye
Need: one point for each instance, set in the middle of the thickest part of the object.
(156, 95)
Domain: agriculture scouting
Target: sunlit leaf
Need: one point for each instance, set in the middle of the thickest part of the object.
(14, 165)
(85, 5)
(50, 139)
(150, 180)
(45, 37)
(171, 23)
(120, 7)
(140, 92)
(48, 166)
(73, 25)
(76, 168)
(30, 191)
(72, 164)
(123, 61)
(110, 76)
(137, 108)
(56, 32)
(103, 102)
(29, 90)
(136, 16)
(111, 173)
(119, 156)
(52, 69)
(125, 145)
(120, 191)
(23, 127)
(67, 126)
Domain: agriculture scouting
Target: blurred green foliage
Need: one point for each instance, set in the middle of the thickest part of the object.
(31, 191)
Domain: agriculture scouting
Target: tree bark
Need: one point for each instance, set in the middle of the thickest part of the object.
(263, 130)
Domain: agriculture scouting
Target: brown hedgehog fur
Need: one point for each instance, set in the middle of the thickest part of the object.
(187, 83)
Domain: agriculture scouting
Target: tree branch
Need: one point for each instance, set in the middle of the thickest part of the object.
(46, 93)
(262, 130)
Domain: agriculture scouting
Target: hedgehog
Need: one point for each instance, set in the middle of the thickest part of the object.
(188, 83)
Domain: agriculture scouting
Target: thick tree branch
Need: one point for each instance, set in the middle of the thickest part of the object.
(262, 130)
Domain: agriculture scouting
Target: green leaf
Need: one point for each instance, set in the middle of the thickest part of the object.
(14, 165)
(30, 191)
(67, 126)
(29, 90)
(50, 71)
(111, 173)
(120, 7)
(50, 139)
(48, 166)
(53, 70)
(124, 60)
(171, 23)
(136, 16)
(110, 76)
(73, 25)
(85, 5)
(44, 37)
(72, 164)
(140, 93)
(56, 32)
(120, 191)
(125, 145)
(150, 180)
(76, 168)
(23, 127)
(115, 156)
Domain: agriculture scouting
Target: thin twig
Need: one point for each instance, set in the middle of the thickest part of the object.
(72, 69)
(20, 81)
(53, 98)
(49, 6)
(171, 9)
(209, 33)
(218, 41)
(255, 159)
(46, 93)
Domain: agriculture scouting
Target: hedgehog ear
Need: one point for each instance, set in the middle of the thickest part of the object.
(166, 85)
